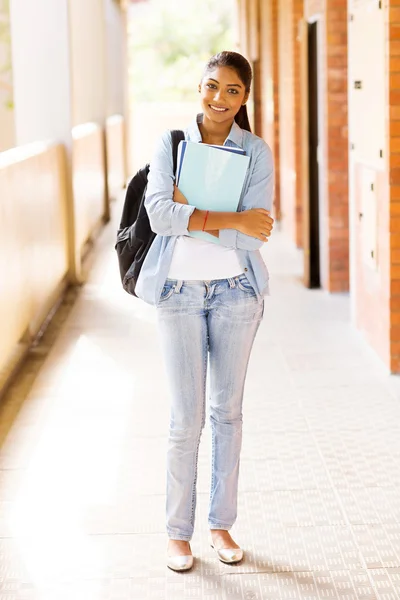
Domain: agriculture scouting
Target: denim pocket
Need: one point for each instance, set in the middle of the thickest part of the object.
(167, 292)
(245, 285)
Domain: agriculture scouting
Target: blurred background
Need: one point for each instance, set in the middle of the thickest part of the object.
(169, 44)
(86, 88)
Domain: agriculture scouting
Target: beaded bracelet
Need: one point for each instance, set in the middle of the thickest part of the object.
(205, 220)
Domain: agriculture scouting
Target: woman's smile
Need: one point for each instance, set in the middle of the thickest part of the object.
(218, 108)
(222, 92)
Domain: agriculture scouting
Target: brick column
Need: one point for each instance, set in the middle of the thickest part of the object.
(254, 58)
(394, 177)
(275, 83)
(269, 85)
(298, 15)
(337, 145)
(286, 116)
(290, 12)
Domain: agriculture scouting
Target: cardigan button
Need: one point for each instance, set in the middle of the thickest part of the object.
(245, 269)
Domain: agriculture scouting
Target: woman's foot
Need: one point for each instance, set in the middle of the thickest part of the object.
(226, 548)
(179, 555)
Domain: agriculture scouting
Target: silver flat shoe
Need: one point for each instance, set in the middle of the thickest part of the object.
(180, 563)
(228, 555)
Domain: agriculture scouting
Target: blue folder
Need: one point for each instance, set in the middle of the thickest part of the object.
(182, 149)
(211, 178)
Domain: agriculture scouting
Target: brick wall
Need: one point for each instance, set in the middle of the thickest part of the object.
(394, 178)
(287, 147)
(375, 290)
(333, 189)
(254, 57)
(283, 32)
(269, 96)
(337, 146)
(298, 14)
(285, 18)
(276, 114)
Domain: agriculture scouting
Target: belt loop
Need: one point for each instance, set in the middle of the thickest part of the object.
(232, 283)
(178, 286)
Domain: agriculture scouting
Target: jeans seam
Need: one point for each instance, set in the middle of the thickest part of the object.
(212, 462)
(195, 480)
(198, 440)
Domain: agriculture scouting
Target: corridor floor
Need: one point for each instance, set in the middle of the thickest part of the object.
(82, 467)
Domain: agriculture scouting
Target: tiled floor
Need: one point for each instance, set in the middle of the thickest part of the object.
(82, 460)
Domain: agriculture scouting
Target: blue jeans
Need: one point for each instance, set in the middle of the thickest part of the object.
(199, 320)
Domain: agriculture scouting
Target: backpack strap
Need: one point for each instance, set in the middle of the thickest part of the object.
(176, 136)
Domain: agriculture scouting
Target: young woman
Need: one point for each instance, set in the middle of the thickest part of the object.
(209, 300)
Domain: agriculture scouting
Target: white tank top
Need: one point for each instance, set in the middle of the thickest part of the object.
(195, 259)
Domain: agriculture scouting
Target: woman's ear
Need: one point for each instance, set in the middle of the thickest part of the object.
(245, 98)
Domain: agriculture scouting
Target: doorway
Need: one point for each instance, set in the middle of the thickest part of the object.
(314, 280)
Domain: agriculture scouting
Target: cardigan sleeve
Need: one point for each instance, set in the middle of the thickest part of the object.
(258, 195)
(166, 216)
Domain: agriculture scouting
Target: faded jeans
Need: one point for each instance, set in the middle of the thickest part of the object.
(203, 321)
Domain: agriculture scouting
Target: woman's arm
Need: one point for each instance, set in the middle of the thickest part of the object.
(166, 216)
(254, 222)
(258, 196)
(247, 229)
(244, 229)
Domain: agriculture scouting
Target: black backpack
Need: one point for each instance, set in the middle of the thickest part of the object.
(135, 236)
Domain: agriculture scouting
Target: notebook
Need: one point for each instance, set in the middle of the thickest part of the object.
(182, 149)
(211, 178)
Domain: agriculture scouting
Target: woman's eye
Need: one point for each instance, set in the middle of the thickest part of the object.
(233, 91)
(210, 85)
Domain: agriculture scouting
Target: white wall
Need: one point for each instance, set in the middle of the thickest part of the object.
(368, 136)
(115, 58)
(41, 69)
(88, 61)
(69, 66)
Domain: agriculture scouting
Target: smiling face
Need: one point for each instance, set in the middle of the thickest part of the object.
(222, 94)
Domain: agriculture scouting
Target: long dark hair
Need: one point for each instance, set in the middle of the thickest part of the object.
(235, 61)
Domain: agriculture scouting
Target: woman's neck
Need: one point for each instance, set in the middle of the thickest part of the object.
(214, 133)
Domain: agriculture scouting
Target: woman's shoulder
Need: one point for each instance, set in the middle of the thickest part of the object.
(165, 138)
(255, 144)
(167, 133)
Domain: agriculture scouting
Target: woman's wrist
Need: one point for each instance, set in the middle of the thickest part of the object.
(236, 220)
(215, 220)
(222, 220)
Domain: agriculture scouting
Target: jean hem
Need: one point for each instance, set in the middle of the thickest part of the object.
(182, 538)
(219, 526)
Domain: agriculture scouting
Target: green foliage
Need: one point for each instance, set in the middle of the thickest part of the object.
(5, 46)
(170, 42)
(4, 7)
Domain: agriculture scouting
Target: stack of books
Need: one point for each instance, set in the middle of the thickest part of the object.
(211, 178)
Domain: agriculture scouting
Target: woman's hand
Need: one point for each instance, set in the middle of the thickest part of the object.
(255, 222)
(178, 196)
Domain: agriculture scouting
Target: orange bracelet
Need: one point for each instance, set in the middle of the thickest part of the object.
(205, 220)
